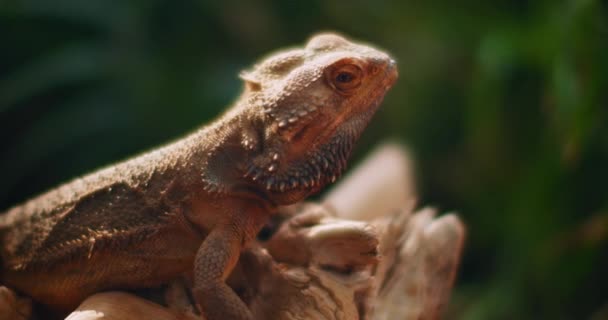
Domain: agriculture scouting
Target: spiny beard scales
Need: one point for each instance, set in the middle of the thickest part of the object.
(316, 169)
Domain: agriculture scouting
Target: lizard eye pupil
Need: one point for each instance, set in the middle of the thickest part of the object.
(345, 77)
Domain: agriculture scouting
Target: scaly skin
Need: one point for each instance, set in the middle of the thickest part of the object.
(200, 200)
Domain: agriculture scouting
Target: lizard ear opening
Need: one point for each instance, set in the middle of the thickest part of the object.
(251, 83)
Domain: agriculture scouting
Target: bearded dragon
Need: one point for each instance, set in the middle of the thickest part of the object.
(194, 204)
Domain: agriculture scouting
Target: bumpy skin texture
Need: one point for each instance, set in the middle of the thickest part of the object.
(194, 204)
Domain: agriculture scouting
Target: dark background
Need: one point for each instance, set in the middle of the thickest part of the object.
(505, 104)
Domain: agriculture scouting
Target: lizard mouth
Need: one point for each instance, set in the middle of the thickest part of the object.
(355, 120)
(310, 130)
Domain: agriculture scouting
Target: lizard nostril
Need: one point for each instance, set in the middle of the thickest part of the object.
(379, 64)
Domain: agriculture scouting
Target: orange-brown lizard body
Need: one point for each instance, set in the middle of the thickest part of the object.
(192, 205)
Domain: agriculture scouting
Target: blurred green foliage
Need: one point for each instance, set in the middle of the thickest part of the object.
(505, 104)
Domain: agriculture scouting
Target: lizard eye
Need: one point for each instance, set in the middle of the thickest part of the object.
(345, 78)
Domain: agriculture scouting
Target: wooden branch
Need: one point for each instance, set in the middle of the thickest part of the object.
(382, 183)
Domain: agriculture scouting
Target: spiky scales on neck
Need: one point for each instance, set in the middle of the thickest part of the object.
(302, 111)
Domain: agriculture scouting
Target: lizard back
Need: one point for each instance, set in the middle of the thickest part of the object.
(118, 204)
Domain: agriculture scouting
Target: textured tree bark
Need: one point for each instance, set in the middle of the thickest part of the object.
(360, 254)
(420, 253)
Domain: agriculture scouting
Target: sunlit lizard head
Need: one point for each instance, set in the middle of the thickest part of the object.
(314, 103)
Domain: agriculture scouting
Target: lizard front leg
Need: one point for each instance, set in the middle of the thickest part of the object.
(214, 262)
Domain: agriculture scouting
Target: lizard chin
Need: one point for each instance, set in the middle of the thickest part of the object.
(291, 181)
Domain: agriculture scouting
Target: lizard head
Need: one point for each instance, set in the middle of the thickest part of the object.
(312, 103)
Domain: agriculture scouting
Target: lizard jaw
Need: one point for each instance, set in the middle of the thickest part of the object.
(297, 180)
